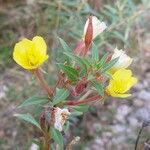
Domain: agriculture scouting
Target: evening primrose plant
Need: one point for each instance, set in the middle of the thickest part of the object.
(85, 77)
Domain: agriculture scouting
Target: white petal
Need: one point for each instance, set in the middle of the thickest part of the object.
(124, 60)
(98, 26)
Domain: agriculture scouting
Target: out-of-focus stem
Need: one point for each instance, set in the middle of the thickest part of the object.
(84, 101)
(43, 83)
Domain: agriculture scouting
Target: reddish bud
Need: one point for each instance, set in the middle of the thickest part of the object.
(108, 58)
(81, 86)
(81, 48)
(89, 33)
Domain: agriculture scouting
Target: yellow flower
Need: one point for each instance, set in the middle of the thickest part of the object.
(30, 54)
(120, 83)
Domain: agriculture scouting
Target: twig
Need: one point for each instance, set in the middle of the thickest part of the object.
(138, 137)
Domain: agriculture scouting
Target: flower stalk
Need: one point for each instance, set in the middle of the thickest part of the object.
(43, 83)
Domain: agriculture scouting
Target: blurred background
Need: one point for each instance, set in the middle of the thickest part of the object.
(111, 126)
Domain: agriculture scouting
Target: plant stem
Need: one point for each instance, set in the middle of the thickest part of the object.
(84, 101)
(47, 141)
(43, 83)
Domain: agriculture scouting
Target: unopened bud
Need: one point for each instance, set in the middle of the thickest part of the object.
(89, 33)
(81, 86)
(80, 48)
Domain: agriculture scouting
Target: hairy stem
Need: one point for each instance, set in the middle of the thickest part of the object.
(43, 83)
(84, 101)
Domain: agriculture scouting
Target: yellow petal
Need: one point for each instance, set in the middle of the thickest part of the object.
(122, 95)
(121, 74)
(30, 54)
(121, 82)
(19, 54)
(40, 45)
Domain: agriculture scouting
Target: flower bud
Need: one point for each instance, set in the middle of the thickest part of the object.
(124, 60)
(81, 48)
(97, 26)
(81, 86)
(89, 33)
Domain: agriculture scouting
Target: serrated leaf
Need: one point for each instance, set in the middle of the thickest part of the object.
(102, 60)
(28, 118)
(69, 71)
(81, 108)
(34, 101)
(107, 66)
(64, 45)
(99, 87)
(57, 137)
(94, 52)
(61, 94)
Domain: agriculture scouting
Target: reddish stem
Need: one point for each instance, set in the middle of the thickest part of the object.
(88, 100)
(43, 83)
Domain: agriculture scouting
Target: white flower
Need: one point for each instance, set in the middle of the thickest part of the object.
(98, 26)
(61, 115)
(124, 60)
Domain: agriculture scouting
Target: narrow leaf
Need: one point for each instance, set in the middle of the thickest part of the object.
(95, 52)
(107, 66)
(57, 137)
(76, 113)
(64, 45)
(82, 108)
(29, 118)
(34, 101)
(99, 87)
(61, 94)
(77, 59)
(102, 60)
(69, 71)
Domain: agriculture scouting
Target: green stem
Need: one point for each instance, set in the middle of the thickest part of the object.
(47, 140)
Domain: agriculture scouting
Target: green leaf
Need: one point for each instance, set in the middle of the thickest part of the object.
(69, 71)
(61, 94)
(77, 59)
(29, 118)
(99, 87)
(64, 45)
(102, 61)
(81, 108)
(34, 101)
(95, 52)
(76, 113)
(57, 137)
(107, 66)
(86, 62)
